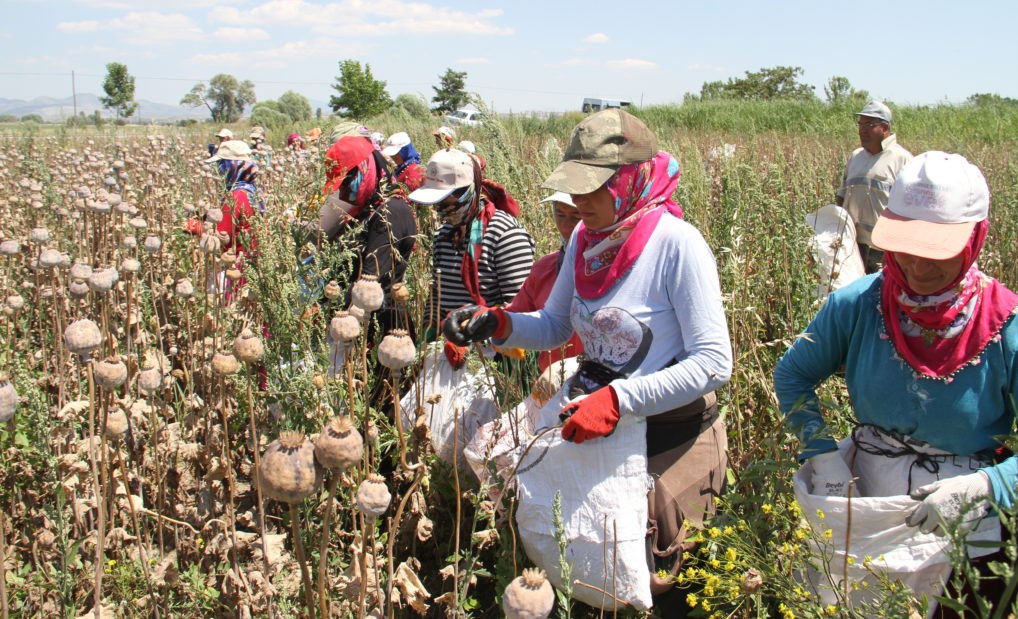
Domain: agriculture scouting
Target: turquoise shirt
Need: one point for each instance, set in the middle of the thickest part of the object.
(965, 414)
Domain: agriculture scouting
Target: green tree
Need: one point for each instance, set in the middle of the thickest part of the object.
(225, 97)
(451, 93)
(765, 84)
(295, 105)
(119, 88)
(269, 114)
(413, 105)
(34, 118)
(987, 100)
(837, 89)
(360, 94)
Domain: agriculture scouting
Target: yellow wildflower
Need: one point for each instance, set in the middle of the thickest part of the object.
(691, 600)
(766, 508)
(820, 514)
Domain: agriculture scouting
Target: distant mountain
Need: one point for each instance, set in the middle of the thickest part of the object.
(55, 110)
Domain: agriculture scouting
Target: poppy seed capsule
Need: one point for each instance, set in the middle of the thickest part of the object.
(209, 244)
(39, 235)
(10, 248)
(130, 265)
(82, 337)
(152, 244)
(367, 293)
(15, 303)
(215, 215)
(344, 327)
(233, 274)
(50, 258)
(138, 223)
(149, 379)
(248, 347)
(339, 445)
(184, 288)
(80, 271)
(102, 280)
(8, 399)
(129, 242)
(373, 497)
(78, 289)
(116, 424)
(110, 373)
(357, 312)
(332, 290)
(528, 596)
(287, 471)
(397, 350)
(225, 364)
(400, 293)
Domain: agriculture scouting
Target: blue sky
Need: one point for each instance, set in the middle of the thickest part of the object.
(519, 56)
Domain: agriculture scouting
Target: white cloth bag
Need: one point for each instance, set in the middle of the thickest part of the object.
(834, 249)
(878, 531)
(603, 485)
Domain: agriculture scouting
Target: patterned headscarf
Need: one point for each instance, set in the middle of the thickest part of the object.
(352, 168)
(638, 190)
(938, 334)
(241, 175)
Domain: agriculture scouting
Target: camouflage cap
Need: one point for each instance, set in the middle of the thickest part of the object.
(600, 144)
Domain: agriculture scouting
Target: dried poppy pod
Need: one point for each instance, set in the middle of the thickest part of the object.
(233, 274)
(138, 223)
(184, 288)
(8, 399)
(400, 293)
(13, 304)
(209, 244)
(357, 312)
(373, 497)
(150, 379)
(10, 247)
(39, 235)
(343, 327)
(50, 258)
(528, 596)
(152, 244)
(332, 290)
(367, 293)
(287, 471)
(228, 259)
(397, 350)
(224, 364)
(116, 424)
(248, 347)
(215, 215)
(78, 289)
(80, 271)
(110, 373)
(339, 445)
(129, 242)
(102, 280)
(130, 265)
(82, 337)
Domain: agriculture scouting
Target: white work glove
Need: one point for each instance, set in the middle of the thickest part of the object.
(831, 475)
(947, 500)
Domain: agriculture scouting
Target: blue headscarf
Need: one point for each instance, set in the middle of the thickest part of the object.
(409, 155)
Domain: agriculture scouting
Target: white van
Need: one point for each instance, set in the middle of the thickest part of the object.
(596, 104)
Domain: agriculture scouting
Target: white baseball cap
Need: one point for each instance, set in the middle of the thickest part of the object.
(936, 201)
(395, 143)
(225, 133)
(560, 196)
(448, 170)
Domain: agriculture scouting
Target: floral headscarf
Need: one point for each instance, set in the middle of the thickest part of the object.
(938, 334)
(351, 163)
(638, 190)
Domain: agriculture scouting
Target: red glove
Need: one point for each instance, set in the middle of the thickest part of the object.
(592, 417)
(455, 354)
(193, 226)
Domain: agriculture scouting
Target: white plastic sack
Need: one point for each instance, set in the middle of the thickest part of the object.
(465, 399)
(603, 484)
(834, 249)
(918, 560)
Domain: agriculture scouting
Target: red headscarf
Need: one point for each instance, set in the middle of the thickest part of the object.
(347, 154)
(939, 333)
(642, 193)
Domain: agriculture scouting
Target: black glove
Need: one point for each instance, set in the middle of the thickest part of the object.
(475, 323)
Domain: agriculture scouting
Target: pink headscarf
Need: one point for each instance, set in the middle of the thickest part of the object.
(939, 333)
(642, 193)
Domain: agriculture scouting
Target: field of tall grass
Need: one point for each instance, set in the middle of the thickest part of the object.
(140, 498)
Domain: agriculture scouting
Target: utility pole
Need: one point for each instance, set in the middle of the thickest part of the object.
(74, 95)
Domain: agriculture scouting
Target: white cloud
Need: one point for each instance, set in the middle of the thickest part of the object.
(282, 56)
(575, 62)
(597, 37)
(240, 34)
(144, 28)
(383, 18)
(89, 25)
(474, 60)
(631, 63)
(148, 5)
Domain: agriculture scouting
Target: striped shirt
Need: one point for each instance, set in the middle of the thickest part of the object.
(506, 259)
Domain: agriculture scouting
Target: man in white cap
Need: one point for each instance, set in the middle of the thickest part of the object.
(869, 174)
